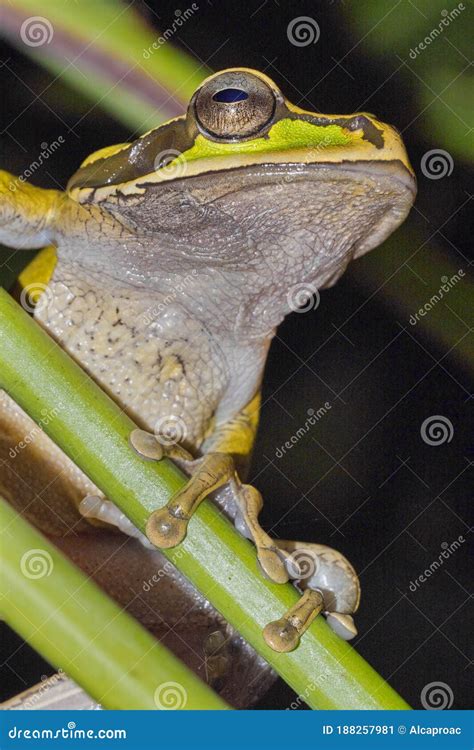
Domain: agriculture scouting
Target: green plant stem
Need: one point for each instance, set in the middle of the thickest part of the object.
(92, 430)
(76, 627)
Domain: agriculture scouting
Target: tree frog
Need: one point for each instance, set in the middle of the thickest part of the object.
(177, 257)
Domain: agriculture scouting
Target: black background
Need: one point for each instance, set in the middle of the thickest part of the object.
(363, 480)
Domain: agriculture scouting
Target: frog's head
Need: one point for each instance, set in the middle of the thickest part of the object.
(247, 181)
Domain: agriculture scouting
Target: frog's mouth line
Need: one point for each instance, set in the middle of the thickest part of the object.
(287, 172)
(391, 168)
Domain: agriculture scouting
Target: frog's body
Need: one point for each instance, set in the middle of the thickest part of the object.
(178, 256)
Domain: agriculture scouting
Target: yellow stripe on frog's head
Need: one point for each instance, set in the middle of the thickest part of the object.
(236, 118)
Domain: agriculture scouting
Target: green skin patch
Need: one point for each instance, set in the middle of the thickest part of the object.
(285, 135)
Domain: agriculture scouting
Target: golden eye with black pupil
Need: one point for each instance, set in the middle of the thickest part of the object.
(233, 106)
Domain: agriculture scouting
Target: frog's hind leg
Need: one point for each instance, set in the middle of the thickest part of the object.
(329, 584)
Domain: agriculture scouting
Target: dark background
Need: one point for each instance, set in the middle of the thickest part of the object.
(362, 480)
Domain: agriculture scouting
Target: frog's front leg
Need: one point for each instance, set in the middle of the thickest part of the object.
(226, 455)
(26, 212)
(167, 526)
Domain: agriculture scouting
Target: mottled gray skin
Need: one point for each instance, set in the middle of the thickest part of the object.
(186, 317)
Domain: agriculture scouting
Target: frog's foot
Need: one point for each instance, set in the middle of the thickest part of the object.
(274, 560)
(330, 586)
(284, 634)
(97, 509)
(167, 526)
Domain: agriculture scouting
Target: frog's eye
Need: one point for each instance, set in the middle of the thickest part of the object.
(233, 106)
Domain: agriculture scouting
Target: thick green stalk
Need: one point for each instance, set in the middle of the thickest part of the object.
(76, 627)
(92, 430)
